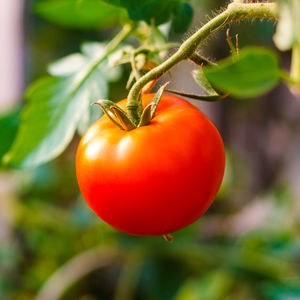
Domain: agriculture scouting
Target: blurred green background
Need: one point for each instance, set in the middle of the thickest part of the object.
(52, 246)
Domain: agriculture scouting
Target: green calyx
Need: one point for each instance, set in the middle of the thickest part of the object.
(117, 115)
(120, 118)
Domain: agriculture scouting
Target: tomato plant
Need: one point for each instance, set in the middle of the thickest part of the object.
(137, 172)
(153, 163)
(154, 179)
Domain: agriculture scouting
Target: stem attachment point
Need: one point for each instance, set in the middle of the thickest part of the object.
(168, 237)
(117, 115)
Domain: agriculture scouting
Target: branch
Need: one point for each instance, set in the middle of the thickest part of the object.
(234, 12)
(76, 268)
(130, 273)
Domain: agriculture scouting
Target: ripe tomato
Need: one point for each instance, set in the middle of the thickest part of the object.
(155, 179)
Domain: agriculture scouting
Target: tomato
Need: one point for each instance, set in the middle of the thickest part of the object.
(155, 179)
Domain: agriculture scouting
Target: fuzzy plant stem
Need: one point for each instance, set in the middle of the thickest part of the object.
(234, 12)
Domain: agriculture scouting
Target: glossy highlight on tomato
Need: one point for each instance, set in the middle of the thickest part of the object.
(155, 179)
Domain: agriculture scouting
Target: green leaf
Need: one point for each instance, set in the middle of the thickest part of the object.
(253, 73)
(182, 18)
(48, 122)
(57, 106)
(116, 114)
(94, 49)
(147, 10)
(67, 66)
(279, 291)
(146, 115)
(74, 63)
(208, 98)
(106, 108)
(9, 123)
(157, 98)
(86, 14)
(201, 79)
(97, 87)
(212, 285)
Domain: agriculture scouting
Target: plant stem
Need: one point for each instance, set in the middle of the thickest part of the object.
(234, 12)
(78, 267)
(295, 68)
(129, 276)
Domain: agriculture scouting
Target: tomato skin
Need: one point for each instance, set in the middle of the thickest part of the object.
(155, 179)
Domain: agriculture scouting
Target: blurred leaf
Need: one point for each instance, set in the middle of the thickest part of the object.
(253, 73)
(75, 62)
(157, 10)
(212, 286)
(48, 122)
(86, 14)
(67, 65)
(288, 27)
(183, 17)
(93, 49)
(279, 292)
(9, 123)
(97, 86)
(58, 105)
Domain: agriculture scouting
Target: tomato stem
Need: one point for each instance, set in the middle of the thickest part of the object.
(117, 115)
(234, 12)
(168, 237)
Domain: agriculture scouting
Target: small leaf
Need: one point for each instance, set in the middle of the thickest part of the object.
(201, 79)
(110, 108)
(253, 73)
(87, 14)
(146, 115)
(157, 98)
(123, 118)
(208, 98)
(107, 110)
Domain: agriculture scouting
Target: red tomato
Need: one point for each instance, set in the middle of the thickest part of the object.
(155, 179)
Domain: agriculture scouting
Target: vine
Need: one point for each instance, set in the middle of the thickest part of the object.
(234, 12)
